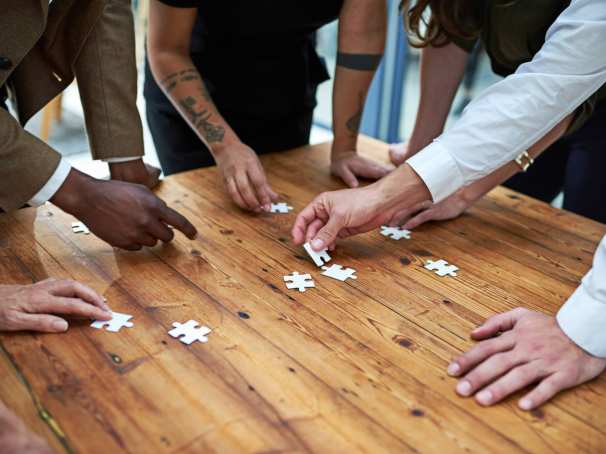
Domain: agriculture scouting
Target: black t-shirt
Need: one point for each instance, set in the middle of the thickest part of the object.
(258, 57)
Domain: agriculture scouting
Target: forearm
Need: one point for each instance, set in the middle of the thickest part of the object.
(478, 189)
(438, 89)
(361, 44)
(184, 87)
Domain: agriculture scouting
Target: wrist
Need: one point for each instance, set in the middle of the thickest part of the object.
(416, 144)
(343, 146)
(402, 187)
(229, 142)
(74, 193)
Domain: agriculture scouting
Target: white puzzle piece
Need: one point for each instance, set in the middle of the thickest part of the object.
(338, 272)
(189, 332)
(442, 268)
(395, 233)
(118, 321)
(280, 208)
(299, 281)
(80, 227)
(319, 258)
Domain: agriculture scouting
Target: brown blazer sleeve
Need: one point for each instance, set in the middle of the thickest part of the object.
(106, 73)
(27, 163)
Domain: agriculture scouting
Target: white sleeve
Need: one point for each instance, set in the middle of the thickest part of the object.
(513, 114)
(119, 160)
(52, 185)
(583, 317)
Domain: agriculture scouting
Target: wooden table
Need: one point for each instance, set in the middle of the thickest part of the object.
(345, 367)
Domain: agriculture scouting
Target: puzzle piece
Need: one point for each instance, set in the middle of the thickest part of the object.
(319, 258)
(442, 268)
(118, 321)
(80, 227)
(395, 233)
(280, 208)
(338, 272)
(189, 332)
(299, 281)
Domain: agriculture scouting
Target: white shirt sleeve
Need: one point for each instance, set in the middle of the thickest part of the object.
(583, 317)
(513, 114)
(52, 185)
(118, 160)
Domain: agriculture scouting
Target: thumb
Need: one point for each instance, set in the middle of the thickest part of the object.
(327, 234)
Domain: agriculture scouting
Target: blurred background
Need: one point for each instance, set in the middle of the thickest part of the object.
(389, 113)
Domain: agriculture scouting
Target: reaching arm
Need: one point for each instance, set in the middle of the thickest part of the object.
(362, 25)
(438, 89)
(516, 112)
(171, 64)
(454, 205)
(176, 74)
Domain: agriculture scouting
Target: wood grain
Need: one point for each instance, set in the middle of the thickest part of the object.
(356, 366)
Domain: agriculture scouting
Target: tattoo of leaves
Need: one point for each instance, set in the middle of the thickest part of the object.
(200, 119)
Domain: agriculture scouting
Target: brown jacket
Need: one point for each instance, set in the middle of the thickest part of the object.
(42, 49)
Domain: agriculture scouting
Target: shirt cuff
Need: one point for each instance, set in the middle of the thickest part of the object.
(52, 185)
(438, 170)
(583, 320)
(118, 160)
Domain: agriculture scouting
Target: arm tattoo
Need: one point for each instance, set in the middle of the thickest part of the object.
(200, 119)
(353, 123)
(359, 62)
(187, 75)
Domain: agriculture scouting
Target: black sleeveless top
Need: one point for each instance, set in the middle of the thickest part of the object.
(258, 57)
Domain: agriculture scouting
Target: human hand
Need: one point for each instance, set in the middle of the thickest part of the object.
(339, 214)
(29, 307)
(15, 438)
(531, 348)
(128, 216)
(136, 172)
(449, 208)
(244, 178)
(349, 166)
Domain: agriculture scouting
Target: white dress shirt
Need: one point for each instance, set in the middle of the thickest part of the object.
(512, 115)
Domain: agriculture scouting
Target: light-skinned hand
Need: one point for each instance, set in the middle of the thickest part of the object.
(45, 305)
(521, 348)
(350, 166)
(244, 178)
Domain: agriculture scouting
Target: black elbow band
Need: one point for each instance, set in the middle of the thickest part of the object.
(359, 62)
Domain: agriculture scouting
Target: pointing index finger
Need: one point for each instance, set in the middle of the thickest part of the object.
(178, 221)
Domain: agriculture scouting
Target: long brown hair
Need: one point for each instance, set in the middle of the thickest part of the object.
(447, 18)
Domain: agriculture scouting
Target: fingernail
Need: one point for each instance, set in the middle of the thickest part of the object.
(317, 244)
(453, 369)
(464, 388)
(267, 207)
(484, 397)
(60, 325)
(525, 404)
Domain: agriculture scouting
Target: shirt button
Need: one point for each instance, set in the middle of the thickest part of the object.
(5, 63)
